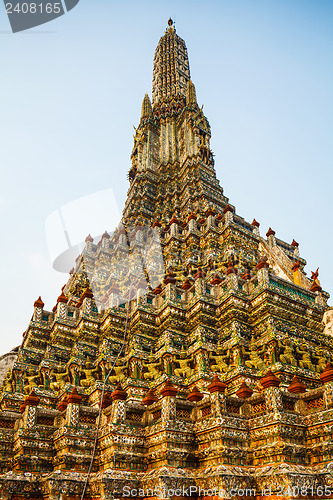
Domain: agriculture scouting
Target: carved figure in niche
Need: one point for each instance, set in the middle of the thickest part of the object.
(305, 361)
(19, 379)
(120, 373)
(168, 366)
(31, 381)
(154, 369)
(237, 353)
(328, 322)
(8, 383)
(89, 373)
(184, 363)
(288, 351)
(220, 359)
(270, 353)
(136, 370)
(102, 370)
(45, 375)
(255, 360)
(202, 361)
(74, 373)
(59, 379)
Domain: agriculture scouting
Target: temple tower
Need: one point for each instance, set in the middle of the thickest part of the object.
(214, 372)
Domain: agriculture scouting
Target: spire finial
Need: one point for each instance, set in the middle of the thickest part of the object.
(170, 22)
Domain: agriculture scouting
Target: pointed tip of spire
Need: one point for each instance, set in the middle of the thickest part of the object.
(62, 298)
(146, 110)
(270, 232)
(105, 235)
(171, 25)
(39, 303)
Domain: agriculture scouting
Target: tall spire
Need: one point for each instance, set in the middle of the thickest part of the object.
(171, 66)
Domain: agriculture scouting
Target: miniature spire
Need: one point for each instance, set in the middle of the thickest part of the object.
(315, 287)
(74, 397)
(191, 97)
(216, 385)
(296, 386)
(39, 303)
(146, 110)
(228, 208)
(105, 235)
(270, 232)
(168, 389)
(244, 391)
(62, 298)
(195, 395)
(314, 275)
(327, 375)
(186, 285)
(149, 398)
(247, 274)
(270, 380)
(119, 394)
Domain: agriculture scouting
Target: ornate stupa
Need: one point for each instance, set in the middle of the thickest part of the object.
(186, 354)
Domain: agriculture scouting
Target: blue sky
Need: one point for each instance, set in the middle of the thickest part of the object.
(73, 88)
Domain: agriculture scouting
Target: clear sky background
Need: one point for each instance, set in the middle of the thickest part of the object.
(72, 89)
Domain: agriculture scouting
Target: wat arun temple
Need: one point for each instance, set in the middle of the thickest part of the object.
(188, 353)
